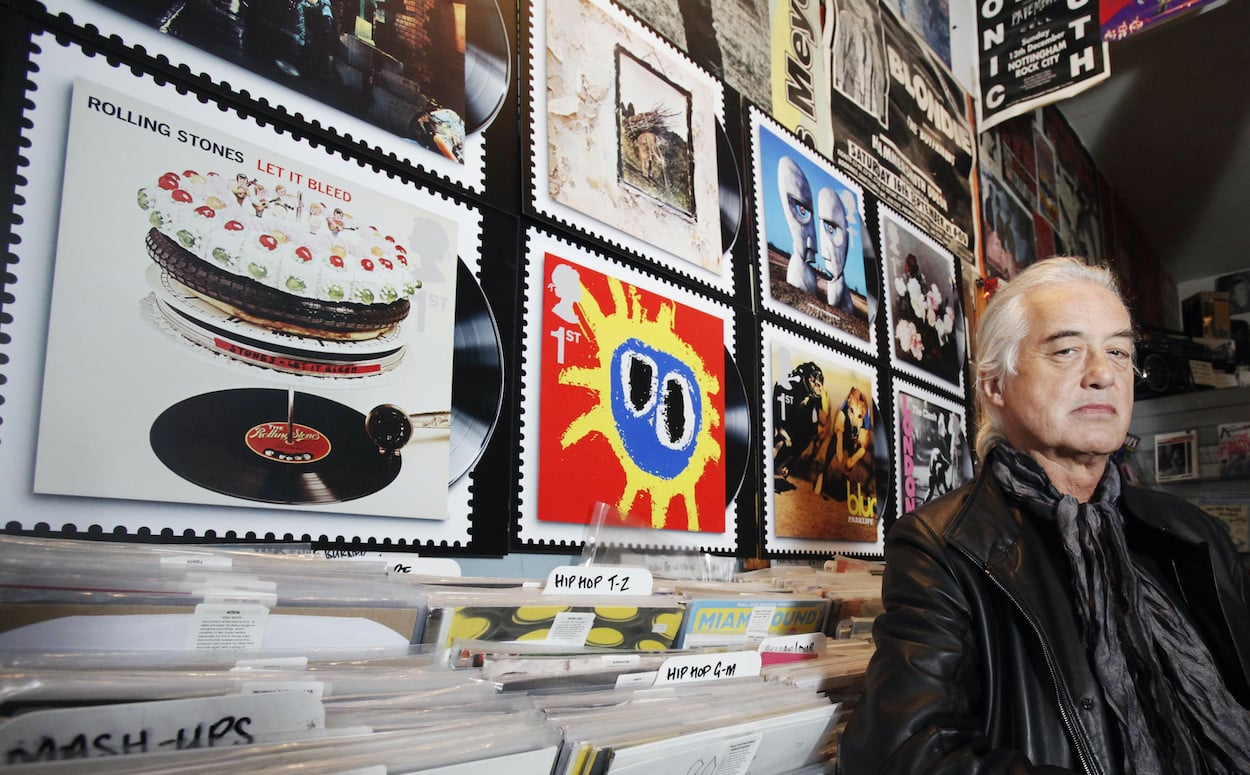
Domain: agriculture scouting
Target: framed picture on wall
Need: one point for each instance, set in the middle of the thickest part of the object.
(1176, 456)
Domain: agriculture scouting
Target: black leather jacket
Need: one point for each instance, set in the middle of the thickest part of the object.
(979, 665)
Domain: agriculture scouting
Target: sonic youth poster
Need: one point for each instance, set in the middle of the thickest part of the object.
(1036, 53)
(933, 453)
(900, 123)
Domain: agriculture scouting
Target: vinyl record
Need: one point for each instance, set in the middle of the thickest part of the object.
(272, 445)
(476, 375)
(737, 429)
(730, 190)
(486, 64)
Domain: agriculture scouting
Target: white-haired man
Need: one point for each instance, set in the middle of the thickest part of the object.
(1048, 617)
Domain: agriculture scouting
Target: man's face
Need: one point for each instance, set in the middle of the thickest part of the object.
(831, 233)
(1071, 398)
(796, 200)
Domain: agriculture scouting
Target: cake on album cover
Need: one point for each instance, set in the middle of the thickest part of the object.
(274, 259)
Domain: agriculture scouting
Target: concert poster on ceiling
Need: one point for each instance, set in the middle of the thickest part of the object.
(1035, 54)
(1079, 230)
(1047, 179)
(631, 398)
(1122, 18)
(932, 448)
(812, 247)
(234, 331)
(900, 122)
(420, 82)
(924, 309)
(1020, 158)
(624, 133)
(827, 474)
(1007, 229)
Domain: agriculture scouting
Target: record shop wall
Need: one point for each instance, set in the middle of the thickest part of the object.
(623, 296)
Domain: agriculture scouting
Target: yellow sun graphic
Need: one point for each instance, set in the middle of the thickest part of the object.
(654, 401)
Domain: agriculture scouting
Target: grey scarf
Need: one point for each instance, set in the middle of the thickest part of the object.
(1158, 677)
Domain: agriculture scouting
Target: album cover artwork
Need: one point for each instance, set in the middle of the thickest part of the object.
(933, 451)
(421, 81)
(811, 245)
(827, 461)
(925, 316)
(627, 395)
(624, 137)
(233, 330)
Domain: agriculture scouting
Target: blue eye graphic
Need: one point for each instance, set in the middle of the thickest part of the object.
(657, 406)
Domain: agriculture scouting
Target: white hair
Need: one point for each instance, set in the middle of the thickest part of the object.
(1004, 326)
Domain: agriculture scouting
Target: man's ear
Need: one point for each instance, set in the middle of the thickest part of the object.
(992, 389)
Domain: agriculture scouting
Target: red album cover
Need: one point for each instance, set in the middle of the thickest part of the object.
(631, 407)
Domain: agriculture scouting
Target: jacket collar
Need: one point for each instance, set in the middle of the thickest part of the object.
(987, 524)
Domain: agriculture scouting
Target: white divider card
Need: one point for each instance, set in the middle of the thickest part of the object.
(571, 628)
(691, 668)
(621, 660)
(293, 664)
(635, 680)
(214, 580)
(239, 626)
(810, 643)
(311, 688)
(598, 580)
(166, 725)
(196, 561)
(400, 563)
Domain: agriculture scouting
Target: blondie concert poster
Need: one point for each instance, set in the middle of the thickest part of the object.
(1035, 54)
(191, 377)
(625, 396)
(826, 460)
(811, 238)
(933, 453)
(900, 122)
(925, 317)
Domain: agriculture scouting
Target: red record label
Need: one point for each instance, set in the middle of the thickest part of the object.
(287, 442)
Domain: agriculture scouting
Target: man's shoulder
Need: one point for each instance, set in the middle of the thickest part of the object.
(1169, 512)
(940, 514)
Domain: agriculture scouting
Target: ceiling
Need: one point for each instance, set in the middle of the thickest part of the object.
(1170, 131)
